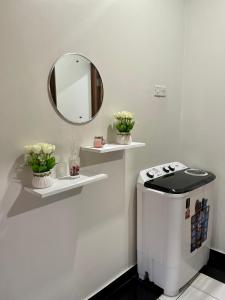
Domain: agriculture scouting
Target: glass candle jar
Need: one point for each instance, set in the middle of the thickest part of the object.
(74, 166)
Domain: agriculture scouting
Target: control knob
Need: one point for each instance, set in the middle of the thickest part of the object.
(172, 167)
(150, 174)
(166, 169)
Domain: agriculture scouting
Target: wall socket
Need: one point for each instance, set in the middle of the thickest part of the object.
(160, 91)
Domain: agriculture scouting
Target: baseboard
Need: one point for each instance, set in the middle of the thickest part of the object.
(115, 285)
(217, 250)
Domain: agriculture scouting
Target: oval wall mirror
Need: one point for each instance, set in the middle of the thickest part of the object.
(75, 88)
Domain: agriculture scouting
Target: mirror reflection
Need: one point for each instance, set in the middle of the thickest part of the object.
(76, 88)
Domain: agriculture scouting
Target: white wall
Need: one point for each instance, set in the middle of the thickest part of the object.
(69, 246)
(203, 107)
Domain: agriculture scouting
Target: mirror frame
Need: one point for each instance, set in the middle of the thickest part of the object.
(50, 93)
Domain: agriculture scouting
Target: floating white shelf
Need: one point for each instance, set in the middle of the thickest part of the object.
(65, 184)
(113, 147)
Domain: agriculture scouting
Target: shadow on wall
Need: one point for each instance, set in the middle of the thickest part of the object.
(25, 202)
(20, 176)
(47, 233)
(92, 158)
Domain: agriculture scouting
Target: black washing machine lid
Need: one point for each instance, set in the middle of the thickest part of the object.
(180, 182)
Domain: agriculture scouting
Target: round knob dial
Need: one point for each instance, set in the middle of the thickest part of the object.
(172, 167)
(166, 169)
(150, 174)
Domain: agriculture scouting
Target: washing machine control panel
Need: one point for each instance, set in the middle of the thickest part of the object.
(162, 170)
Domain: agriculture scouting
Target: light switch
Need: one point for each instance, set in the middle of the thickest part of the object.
(160, 91)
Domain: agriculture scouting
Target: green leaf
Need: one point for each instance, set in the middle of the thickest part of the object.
(41, 163)
(50, 163)
(35, 168)
(125, 125)
(43, 169)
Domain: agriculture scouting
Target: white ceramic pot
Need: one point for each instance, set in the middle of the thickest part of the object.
(124, 138)
(42, 180)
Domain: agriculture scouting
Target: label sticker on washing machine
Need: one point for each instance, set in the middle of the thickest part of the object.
(188, 210)
(199, 224)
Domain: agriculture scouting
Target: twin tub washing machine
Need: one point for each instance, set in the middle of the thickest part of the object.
(174, 205)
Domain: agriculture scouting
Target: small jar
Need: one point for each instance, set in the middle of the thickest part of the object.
(99, 142)
(74, 166)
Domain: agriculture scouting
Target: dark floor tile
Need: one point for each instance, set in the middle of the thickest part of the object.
(115, 285)
(215, 273)
(217, 260)
(137, 289)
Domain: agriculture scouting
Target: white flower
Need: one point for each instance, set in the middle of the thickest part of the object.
(37, 156)
(47, 148)
(40, 148)
(36, 148)
(124, 115)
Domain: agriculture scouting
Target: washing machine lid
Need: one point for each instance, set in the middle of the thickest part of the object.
(180, 182)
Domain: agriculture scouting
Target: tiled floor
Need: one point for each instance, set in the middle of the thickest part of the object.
(202, 288)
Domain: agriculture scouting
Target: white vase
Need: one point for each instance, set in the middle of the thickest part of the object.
(42, 180)
(123, 138)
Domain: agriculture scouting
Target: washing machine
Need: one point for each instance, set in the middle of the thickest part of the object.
(174, 219)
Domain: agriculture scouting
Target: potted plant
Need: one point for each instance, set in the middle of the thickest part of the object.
(124, 124)
(40, 157)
